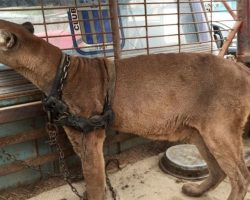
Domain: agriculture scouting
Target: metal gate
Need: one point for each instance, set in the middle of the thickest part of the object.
(143, 26)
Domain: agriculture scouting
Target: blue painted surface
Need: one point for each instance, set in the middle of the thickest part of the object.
(94, 38)
(220, 6)
(22, 151)
(27, 150)
(98, 26)
(13, 128)
(3, 67)
(19, 178)
(86, 23)
(19, 100)
(43, 146)
(107, 26)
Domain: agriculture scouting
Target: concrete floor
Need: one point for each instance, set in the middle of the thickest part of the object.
(142, 180)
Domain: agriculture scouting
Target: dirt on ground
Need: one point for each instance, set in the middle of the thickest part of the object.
(142, 180)
(125, 158)
(139, 179)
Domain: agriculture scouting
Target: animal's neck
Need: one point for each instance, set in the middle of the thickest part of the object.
(41, 70)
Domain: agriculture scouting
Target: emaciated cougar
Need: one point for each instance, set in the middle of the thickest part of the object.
(194, 96)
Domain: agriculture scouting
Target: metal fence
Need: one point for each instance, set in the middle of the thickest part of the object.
(84, 27)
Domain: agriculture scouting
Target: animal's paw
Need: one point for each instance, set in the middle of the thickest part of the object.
(192, 190)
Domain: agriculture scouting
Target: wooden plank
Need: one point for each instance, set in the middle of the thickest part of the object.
(22, 137)
(40, 133)
(19, 112)
(22, 94)
(16, 88)
(40, 160)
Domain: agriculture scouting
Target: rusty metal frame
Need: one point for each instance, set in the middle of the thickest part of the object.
(234, 30)
(244, 33)
(114, 15)
(115, 28)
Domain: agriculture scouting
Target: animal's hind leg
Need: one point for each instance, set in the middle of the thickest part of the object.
(216, 175)
(226, 147)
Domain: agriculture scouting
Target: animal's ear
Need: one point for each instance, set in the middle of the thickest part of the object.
(7, 40)
(29, 26)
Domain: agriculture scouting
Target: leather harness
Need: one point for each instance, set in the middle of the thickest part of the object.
(58, 111)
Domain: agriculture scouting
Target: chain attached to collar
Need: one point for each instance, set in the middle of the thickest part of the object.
(58, 111)
(53, 109)
(58, 115)
(61, 76)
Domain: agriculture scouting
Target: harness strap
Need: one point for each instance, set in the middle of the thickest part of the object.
(57, 109)
(110, 67)
(56, 84)
(87, 125)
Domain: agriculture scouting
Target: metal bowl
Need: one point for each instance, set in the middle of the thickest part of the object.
(184, 161)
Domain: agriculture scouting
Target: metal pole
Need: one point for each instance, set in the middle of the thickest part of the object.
(229, 9)
(230, 38)
(146, 25)
(179, 26)
(244, 32)
(115, 28)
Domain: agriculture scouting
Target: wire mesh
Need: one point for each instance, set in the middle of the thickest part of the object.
(83, 27)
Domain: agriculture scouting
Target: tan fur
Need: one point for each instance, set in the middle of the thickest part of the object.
(197, 97)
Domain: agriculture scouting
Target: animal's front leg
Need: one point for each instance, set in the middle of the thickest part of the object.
(93, 165)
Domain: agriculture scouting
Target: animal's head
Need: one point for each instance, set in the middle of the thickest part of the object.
(15, 42)
(10, 39)
(19, 47)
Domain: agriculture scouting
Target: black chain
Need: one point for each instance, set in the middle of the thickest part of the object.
(53, 133)
(12, 157)
(64, 76)
(111, 188)
(52, 130)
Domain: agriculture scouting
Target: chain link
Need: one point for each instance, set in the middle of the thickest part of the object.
(64, 75)
(13, 158)
(108, 181)
(111, 188)
(52, 130)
